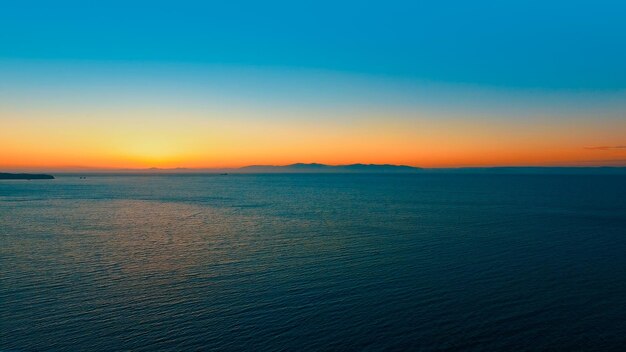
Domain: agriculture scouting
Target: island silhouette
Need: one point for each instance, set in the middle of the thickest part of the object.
(322, 168)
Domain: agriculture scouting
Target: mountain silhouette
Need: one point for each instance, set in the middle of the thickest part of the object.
(323, 168)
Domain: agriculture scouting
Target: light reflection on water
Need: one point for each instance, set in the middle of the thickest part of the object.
(309, 262)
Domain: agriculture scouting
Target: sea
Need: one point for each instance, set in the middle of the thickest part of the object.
(314, 262)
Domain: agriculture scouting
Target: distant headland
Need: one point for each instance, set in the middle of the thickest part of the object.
(8, 176)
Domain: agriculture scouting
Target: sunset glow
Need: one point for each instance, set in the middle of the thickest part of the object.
(141, 137)
(65, 109)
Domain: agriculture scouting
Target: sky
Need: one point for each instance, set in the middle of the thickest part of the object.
(203, 84)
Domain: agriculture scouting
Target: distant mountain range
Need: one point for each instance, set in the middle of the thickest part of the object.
(388, 168)
(323, 168)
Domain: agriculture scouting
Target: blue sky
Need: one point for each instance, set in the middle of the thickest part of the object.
(576, 45)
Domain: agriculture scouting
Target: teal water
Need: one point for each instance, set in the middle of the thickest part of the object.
(314, 262)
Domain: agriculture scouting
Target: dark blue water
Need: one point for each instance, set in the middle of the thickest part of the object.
(314, 262)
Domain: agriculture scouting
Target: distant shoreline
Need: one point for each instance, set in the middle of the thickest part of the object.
(12, 176)
(315, 168)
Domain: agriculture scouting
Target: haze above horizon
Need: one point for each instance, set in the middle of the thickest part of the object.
(196, 85)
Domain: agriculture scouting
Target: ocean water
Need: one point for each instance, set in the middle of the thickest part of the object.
(426, 262)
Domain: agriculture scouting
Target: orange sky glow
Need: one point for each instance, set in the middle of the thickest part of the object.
(143, 139)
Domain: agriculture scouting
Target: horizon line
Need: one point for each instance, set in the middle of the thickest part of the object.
(89, 169)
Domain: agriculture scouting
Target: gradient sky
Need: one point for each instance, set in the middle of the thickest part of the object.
(133, 84)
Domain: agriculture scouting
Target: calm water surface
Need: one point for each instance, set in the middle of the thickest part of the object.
(314, 262)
